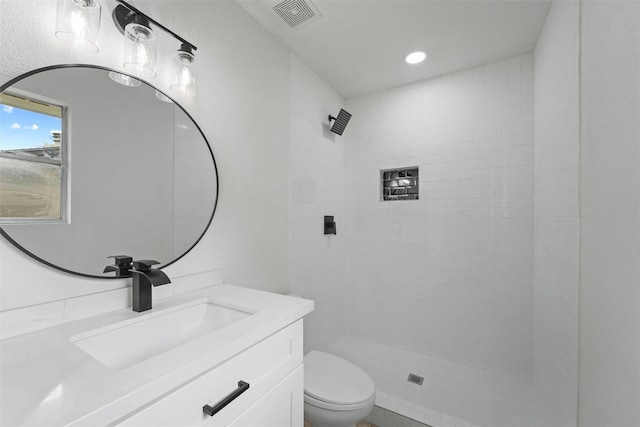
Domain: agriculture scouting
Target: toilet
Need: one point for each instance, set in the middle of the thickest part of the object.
(337, 393)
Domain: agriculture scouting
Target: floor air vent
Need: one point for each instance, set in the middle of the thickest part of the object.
(297, 12)
(416, 379)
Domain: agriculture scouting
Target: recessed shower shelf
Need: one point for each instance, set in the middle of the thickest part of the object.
(400, 184)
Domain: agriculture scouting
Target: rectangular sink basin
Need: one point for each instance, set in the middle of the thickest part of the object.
(126, 343)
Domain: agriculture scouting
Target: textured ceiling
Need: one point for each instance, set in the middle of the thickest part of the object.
(358, 46)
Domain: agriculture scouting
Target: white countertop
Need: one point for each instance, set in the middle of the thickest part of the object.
(45, 379)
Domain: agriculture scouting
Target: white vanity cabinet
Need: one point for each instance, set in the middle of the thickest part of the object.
(172, 366)
(282, 406)
(271, 367)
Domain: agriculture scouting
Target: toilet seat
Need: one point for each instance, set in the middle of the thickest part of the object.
(333, 383)
(337, 407)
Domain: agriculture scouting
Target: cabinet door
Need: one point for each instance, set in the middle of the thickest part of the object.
(282, 406)
(263, 366)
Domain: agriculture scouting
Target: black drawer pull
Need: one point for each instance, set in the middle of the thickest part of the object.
(211, 411)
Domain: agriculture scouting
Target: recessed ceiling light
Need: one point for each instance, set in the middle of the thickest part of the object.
(415, 57)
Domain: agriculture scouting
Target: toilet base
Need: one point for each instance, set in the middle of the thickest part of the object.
(362, 423)
(321, 417)
(332, 425)
(310, 424)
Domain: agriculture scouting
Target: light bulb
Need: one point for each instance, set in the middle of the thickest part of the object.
(184, 77)
(140, 50)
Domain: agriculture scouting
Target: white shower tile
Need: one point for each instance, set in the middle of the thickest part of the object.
(431, 416)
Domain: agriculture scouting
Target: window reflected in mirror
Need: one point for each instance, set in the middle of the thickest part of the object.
(32, 154)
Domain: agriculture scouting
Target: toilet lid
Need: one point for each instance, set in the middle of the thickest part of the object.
(331, 379)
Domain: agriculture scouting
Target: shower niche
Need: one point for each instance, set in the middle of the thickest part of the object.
(399, 184)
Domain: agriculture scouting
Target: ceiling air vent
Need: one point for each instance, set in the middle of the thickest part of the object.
(297, 12)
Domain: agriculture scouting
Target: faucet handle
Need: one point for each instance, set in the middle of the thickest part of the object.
(121, 260)
(122, 265)
(144, 264)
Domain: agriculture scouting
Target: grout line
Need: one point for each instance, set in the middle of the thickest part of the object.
(580, 207)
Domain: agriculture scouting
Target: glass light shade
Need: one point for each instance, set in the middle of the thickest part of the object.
(78, 23)
(124, 80)
(140, 50)
(184, 77)
(162, 97)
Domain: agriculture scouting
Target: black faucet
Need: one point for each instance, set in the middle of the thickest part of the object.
(143, 277)
(122, 265)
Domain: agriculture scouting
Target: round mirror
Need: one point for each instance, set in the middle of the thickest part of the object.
(94, 163)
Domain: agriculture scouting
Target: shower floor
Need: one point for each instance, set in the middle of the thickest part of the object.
(383, 418)
(453, 393)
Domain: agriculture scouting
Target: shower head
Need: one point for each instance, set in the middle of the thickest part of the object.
(340, 122)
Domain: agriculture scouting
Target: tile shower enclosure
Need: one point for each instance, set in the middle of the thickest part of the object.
(442, 285)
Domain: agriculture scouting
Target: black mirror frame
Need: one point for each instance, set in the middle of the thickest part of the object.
(213, 159)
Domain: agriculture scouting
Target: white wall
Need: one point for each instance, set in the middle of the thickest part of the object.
(243, 110)
(557, 222)
(449, 275)
(193, 179)
(316, 162)
(610, 222)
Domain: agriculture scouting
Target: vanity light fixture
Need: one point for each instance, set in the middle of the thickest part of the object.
(415, 57)
(184, 75)
(78, 23)
(140, 48)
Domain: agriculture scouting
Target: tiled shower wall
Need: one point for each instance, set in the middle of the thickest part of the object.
(557, 230)
(609, 214)
(451, 274)
(317, 267)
